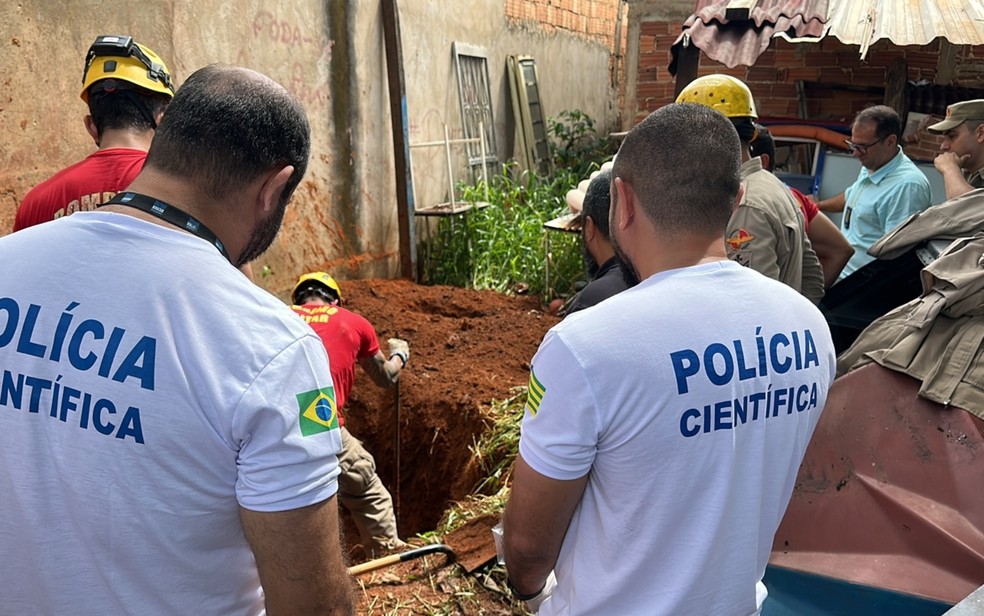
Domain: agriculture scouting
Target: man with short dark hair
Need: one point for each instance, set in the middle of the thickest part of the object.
(126, 87)
(961, 158)
(664, 426)
(171, 423)
(603, 266)
(889, 189)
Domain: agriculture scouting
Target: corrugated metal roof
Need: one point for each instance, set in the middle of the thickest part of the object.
(906, 22)
(854, 22)
(734, 43)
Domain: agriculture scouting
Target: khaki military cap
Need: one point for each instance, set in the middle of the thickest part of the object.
(958, 113)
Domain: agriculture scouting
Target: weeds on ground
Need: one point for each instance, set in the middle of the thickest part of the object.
(498, 446)
(503, 247)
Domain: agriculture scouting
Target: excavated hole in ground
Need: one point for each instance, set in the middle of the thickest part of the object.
(467, 348)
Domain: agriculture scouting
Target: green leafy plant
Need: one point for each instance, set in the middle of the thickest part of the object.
(575, 145)
(504, 247)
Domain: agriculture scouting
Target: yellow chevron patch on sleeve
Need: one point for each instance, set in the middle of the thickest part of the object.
(534, 396)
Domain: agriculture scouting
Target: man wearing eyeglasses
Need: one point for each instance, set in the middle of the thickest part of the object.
(961, 159)
(889, 189)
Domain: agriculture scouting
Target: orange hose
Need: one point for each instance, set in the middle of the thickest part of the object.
(821, 134)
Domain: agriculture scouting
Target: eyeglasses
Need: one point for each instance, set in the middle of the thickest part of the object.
(862, 148)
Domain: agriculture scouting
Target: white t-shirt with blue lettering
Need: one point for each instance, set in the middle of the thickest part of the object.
(147, 390)
(689, 400)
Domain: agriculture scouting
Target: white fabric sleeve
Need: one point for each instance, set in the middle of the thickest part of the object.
(561, 428)
(279, 467)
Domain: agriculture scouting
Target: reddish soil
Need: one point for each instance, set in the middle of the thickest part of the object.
(466, 349)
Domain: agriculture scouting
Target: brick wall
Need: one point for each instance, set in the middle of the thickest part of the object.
(836, 82)
(654, 86)
(594, 19)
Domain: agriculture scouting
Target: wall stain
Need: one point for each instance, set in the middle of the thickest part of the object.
(345, 163)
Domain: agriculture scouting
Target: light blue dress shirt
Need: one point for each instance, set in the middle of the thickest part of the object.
(879, 201)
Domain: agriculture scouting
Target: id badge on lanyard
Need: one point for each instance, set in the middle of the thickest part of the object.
(849, 210)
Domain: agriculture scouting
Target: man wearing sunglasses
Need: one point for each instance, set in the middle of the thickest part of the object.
(889, 189)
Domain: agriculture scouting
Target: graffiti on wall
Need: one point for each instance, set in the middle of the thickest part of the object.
(308, 81)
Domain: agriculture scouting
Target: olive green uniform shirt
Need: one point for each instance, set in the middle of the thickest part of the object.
(976, 179)
(937, 338)
(767, 233)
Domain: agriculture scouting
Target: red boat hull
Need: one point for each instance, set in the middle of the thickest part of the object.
(890, 493)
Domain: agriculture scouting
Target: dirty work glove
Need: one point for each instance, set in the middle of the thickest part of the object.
(400, 348)
(533, 605)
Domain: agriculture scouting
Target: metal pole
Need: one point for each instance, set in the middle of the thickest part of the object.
(485, 175)
(396, 448)
(447, 150)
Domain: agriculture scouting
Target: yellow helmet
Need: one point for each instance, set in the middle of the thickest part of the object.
(120, 58)
(314, 280)
(722, 93)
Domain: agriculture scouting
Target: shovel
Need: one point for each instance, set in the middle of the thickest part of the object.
(473, 542)
(471, 545)
(393, 559)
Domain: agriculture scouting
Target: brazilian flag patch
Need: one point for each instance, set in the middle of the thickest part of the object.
(534, 394)
(319, 413)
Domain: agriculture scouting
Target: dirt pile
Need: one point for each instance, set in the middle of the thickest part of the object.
(466, 348)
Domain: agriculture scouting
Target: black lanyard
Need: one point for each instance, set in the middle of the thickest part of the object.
(171, 214)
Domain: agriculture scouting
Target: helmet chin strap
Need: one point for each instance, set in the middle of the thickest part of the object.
(142, 106)
(112, 86)
(317, 289)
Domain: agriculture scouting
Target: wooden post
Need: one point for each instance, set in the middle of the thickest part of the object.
(687, 62)
(739, 10)
(401, 140)
(896, 95)
(946, 63)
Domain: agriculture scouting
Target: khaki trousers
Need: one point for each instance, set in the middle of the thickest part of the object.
(366, 498)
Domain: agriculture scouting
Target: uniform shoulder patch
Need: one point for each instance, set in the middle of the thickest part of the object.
(739, 239)
(318, 410)
(535, 393)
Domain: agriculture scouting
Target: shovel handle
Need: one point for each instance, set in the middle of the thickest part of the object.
(392, 559)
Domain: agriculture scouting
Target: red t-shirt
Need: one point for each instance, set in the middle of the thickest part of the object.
(348, 337)
(83, 186)
(810, 209)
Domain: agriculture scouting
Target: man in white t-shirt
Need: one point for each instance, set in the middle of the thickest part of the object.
(664, 427)
(168, 430)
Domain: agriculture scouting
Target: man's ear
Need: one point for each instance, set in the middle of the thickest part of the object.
(588, 229)
(979, 133)
(90, 127)
(766, 159)
(625, 204)
(272, 188)
(739, 197)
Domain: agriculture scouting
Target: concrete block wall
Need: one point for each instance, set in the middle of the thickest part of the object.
(594, 20)
(331, 55)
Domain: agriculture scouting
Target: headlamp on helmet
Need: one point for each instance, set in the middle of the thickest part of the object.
(318, 282)
(119, 58)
